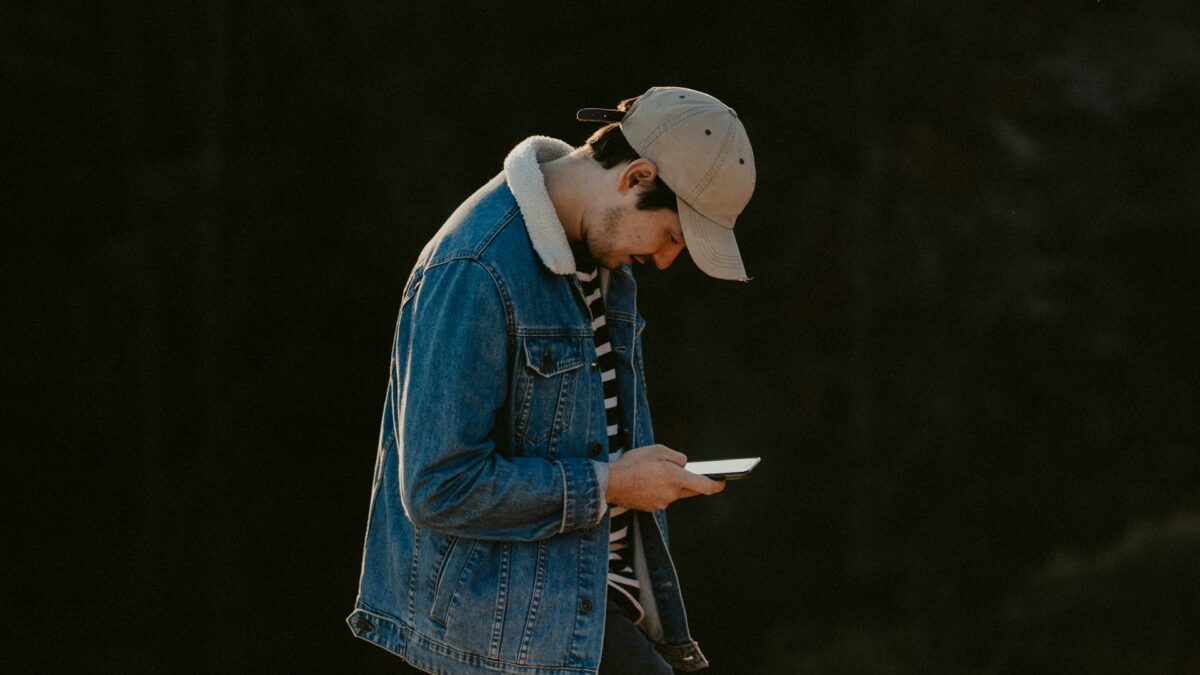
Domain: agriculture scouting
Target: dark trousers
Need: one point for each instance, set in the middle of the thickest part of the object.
(627, 650)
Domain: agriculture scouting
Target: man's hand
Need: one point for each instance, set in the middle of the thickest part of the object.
(650, 477)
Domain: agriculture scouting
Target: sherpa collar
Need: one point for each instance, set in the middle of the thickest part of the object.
(529, 187)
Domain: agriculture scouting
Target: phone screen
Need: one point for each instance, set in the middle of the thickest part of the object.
(723, 468)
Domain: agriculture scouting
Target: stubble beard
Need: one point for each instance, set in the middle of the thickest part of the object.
(601, 241)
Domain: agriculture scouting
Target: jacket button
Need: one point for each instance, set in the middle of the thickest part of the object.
(589, 531)
(596, 450)
(362, 624)
(585, 606)
(595, 365)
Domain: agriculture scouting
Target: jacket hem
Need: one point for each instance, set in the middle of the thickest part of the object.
(427, 654)
(685, 657)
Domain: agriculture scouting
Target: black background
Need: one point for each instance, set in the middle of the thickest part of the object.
(967, 357)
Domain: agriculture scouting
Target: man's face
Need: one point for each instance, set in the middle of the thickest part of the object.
(628, 235)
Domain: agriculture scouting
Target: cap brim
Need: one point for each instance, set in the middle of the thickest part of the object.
(711, 245)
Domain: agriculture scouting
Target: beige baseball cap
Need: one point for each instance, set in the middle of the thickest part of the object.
(704, 156)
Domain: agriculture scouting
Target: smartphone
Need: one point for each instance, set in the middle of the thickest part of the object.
(724, 469)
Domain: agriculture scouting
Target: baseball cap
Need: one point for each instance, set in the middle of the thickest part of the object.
(704, 156)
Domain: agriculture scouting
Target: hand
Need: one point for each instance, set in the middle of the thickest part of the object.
(651, 477)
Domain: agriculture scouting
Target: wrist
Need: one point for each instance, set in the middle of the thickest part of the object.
(615, 482)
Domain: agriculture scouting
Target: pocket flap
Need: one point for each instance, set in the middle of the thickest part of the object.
(548, 356)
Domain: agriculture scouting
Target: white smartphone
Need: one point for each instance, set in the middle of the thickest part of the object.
(724, 469)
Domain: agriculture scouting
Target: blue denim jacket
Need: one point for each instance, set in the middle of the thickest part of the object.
(487, 540)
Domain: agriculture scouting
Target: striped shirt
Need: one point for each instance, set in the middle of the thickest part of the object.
(622, 582)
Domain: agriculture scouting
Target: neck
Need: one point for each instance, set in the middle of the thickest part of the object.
(567, 180)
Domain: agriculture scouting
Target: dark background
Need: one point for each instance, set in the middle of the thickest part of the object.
(967, 358)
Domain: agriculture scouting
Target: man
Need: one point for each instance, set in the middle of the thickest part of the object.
(516, 520)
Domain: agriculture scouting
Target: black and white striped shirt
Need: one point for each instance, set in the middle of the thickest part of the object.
(622, 582)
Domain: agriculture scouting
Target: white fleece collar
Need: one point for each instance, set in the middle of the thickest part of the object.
(528, 185)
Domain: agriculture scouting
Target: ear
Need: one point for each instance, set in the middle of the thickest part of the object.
(639, 172)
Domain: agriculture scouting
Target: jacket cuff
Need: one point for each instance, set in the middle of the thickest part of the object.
(583, 498)
(602, 481)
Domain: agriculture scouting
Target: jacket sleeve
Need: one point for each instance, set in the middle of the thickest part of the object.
(456, 369)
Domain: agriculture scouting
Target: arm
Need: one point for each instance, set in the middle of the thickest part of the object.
(456, 380)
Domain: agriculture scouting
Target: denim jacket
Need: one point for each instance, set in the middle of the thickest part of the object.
(487, 538)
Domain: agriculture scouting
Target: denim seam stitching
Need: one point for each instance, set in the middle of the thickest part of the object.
(563, 468)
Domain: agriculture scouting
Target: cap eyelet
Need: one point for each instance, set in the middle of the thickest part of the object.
(708, 132)
(741, 161)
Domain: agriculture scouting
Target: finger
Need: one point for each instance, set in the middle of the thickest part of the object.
(701, 484)
(713, 486)
(685, 492)
(673, 456)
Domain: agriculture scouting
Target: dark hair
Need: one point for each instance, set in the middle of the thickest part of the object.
(610, 147)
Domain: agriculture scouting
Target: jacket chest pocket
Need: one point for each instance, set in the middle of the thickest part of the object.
(546, 384)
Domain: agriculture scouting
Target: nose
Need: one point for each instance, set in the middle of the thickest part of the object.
(666, 255)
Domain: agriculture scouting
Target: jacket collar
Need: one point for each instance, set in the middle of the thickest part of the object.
(528, 185)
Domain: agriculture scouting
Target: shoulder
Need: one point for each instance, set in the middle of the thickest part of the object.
(487, 232)
(487, 228)
(474, 225)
